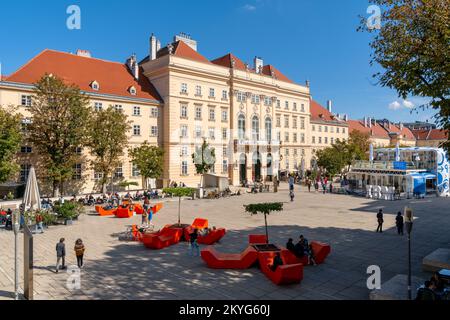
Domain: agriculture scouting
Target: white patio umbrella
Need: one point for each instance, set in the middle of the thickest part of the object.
(32, 198)
(371, 153)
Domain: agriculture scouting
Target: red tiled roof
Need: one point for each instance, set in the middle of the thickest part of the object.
(114, 78)
(406, 132)
(434, 134)
(320, 113)
(376, 131)
(181, 49)
(267, 70)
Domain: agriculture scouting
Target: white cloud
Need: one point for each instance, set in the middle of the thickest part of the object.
(249, 7)
(408, 104)
(395, 105)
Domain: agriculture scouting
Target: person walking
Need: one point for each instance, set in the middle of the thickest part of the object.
(193, 243)
(79, 252)
(399, 222)
(39, 223)
(144, 217)
(380, 221)
(291, 182)
(308, 183)
(331, 187)
(292, 195)
(60, 255)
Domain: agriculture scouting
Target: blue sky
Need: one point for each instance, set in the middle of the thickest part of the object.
(306, 39)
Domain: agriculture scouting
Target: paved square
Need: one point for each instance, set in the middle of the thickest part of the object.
(127, 270)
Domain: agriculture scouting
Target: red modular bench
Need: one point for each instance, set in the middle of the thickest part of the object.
(212, 237)
(104, 213)
(137, 235)
(138, 209)
(200, 223)
(124, 213)
(257, 239)
(285, 274)
(320, 251)
(162, 239)
(217, 260)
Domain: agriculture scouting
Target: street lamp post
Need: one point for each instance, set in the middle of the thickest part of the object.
(16, 216)
(409, 224)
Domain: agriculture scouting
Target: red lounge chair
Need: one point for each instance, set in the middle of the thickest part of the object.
(285, 274)
(200, 224)
(211, 238)
(320, 251)
(257, 239)
(124, 213)
(138, 209)
(162, 239)
(157, 208)
(137, 235)
(217, 260)
(104, 213)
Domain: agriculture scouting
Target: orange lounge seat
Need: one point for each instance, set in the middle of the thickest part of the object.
(137, 235)
(104, 213)
(156, 208)
(211, 238)
(162, 239)
(257, 239)
(285, 274)
(124, 213)
(200, 223)
(217, 260)
(320, 251)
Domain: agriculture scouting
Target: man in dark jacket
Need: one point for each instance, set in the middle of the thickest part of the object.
(380, 221)
(427, 293)
(60, 255)
(277, 261)
(399, 223)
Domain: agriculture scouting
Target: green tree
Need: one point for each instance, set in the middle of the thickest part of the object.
(60, 114)
(10, 139)
(107, 140)
(412, 46)
(179, 192)
(149, 161)
(266, 209)
(330, 160)
(204, 159)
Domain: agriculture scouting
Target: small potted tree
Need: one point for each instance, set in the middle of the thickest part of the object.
(266, 209)
(179, 192)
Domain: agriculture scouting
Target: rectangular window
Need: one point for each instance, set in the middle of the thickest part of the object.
(224, 133)
(294, 138)
(343, 130)
(198, 113)
(313, 128)
(136, 111)
(154, 113)
(24, 172)
(337, 130)
(184, 111)
(184, 168)
(136, 130)
(183, 131)
(279, 136)
(320, 128)
(278, 121)
(198, 91)
(212, 92)
(320, 140)
(332, 129)
(118, 172)
(98, 176)
(326, 140)
(184, 151)
(303, 152)
(26, 149)
(184, 88)
(26, 101)
(286, 137)
(278, 104)
(302, 138)
(224, 166)
(224, 95)
(294, 122)
(302, 108)
(325, 128)
(135, 172)
(241, 96)
(286, 105)
(224, 151)
(224, 115)
(294, 106)
(154, 131)
(255, 99)
(98, 106)
(332, 140)
(267, 101)
(286, 121)
(212, 133)
(212, 114)
(295, 152)
(198, 131)
(287, 152)
(313, 140)
(302, 123)
(79, 150)
(76, 175)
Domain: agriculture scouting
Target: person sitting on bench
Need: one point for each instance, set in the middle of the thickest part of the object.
(307, 250)
(290, 245)
(277, 261)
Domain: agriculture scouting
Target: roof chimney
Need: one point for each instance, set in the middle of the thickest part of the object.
(258, 64)
(133, 66)
(153, 47)
(365, 122)
(345, 117)
(401, 126)
(308, 83)
(370, 122)
(329, 106)
(83, 53)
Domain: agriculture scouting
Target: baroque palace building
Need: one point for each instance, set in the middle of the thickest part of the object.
(259, 121)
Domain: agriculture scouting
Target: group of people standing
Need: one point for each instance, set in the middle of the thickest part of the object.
(79, 250)
(399, 222)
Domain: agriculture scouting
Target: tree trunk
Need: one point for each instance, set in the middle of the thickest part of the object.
(55, 189)
(179, 211)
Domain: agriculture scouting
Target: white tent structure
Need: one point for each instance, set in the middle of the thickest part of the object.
(32, 198)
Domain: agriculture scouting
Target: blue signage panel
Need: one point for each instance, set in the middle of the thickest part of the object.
(400, 165)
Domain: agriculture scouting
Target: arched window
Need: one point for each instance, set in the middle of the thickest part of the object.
(268, 128)
(255, 128)
(241, 127)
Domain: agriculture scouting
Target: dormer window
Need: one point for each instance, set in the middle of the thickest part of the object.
(132, 90)
(95, 85)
